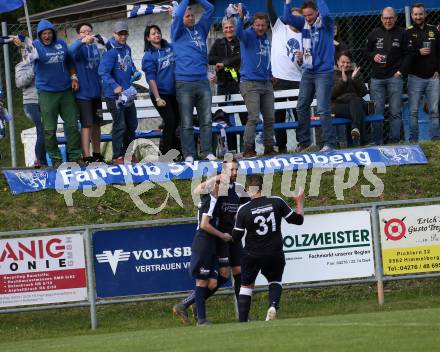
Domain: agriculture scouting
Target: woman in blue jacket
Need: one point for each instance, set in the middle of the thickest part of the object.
(158, 64)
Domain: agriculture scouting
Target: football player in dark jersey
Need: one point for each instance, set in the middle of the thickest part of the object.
(230, 198)
(231, 195)
(204, 262)
(260, 219)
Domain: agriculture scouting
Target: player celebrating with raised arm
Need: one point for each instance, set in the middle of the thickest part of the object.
(260, 220)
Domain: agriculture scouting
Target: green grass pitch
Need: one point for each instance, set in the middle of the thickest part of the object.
(408, 330)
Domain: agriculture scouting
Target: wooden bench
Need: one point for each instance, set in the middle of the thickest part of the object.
(145, 110)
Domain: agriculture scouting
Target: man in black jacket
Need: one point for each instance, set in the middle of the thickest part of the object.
(390, 50)
(225, 56)
(424, 72)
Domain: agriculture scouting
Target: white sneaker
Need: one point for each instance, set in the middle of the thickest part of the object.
(189, 159)
(271, 314)
(326, 148)
(211, 157)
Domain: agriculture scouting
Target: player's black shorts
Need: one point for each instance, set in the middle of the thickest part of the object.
(271, 266)
(204, 266)
(204, 261)
(228, 253)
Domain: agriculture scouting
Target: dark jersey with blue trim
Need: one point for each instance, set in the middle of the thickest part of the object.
(203, 240)
(261, 220)
(228, 206)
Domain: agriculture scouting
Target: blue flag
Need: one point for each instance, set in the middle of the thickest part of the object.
(139, 10)
(10, 5)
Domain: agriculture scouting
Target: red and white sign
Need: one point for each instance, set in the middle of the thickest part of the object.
(39, 270)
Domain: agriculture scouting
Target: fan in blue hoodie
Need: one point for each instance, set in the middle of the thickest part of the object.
(192, 85)
(116, 70)
(316, 25)
(55, 78)
(86, 57)
(256, 81)
(158, 64)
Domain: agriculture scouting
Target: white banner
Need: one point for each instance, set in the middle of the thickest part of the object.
(410, 239)
(327, 247)
(40, 270)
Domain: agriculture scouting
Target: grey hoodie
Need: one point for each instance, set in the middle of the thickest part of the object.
(25, 79)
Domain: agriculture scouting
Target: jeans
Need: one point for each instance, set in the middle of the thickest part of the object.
(124, 126)
(258, 97)
(430, 88)
(63, 104)
(320, 84)
(280, 115)
(380, 89)
(32, 112)
(355, 109)
(189, 95)
(171, 119)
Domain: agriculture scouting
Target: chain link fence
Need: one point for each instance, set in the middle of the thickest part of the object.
(353, 29)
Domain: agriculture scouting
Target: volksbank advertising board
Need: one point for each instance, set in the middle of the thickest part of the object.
(328, 247)
(143, 260)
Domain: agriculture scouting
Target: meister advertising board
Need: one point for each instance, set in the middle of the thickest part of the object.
(328, 247)
(410, 239)
(37, 270)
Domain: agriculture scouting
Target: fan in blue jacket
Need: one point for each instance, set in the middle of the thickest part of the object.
(316, 25)
(86, 57)
(319, 49)
(53, 65)
(189, 42)
(256, 81)
(158, 64)
(192, 85)
(255, 54)
(116, 70)
(54, 79)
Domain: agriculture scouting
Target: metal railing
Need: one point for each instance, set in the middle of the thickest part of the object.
(92, 302)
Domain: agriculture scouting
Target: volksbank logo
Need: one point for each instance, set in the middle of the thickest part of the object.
(113, 258)
(118, 255)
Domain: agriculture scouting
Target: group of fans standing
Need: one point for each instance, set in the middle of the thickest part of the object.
(302, 54)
